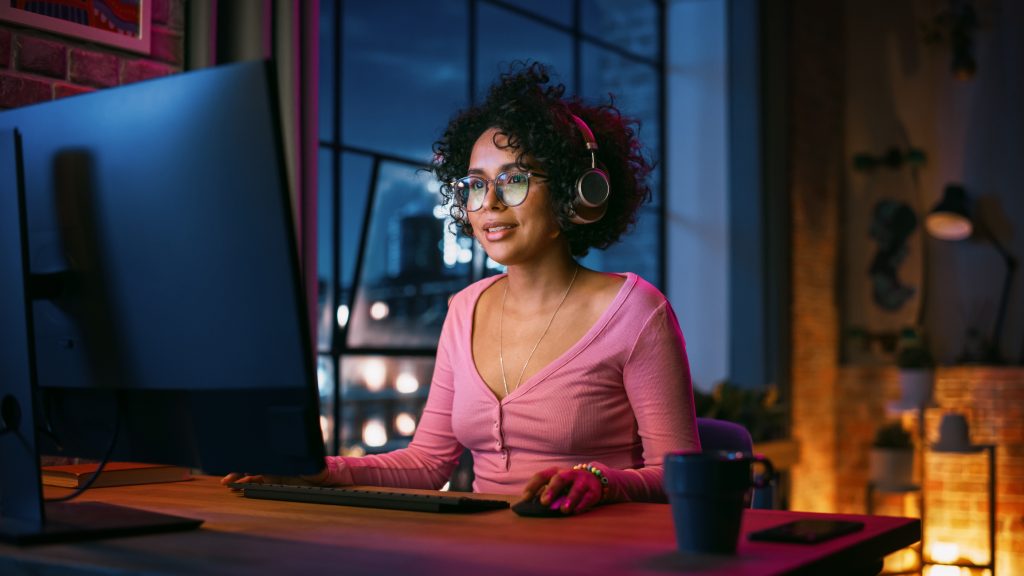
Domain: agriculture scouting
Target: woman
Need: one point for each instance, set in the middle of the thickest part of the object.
(567, 384)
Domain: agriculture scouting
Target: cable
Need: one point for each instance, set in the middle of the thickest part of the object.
(106, 457)
(47, 429)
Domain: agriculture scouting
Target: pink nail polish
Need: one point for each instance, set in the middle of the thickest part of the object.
(559, 502)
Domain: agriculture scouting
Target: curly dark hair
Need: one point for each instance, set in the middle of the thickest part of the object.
(538, 123)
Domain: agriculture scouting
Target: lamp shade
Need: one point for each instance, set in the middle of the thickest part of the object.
(950, 219)
(953, 435)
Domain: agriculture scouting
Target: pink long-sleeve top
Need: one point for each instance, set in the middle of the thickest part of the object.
(619, 399)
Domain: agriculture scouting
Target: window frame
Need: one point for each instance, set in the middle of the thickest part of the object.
(339, 348)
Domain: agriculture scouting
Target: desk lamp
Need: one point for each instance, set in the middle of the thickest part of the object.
(951, 220)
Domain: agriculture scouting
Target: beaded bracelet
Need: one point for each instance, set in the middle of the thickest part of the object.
(600, 476)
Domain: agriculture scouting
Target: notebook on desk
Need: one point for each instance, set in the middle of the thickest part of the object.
(114, 474)
(421, 501)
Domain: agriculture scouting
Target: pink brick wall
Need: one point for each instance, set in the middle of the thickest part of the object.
(5, 48)
(40, 56)
(36, 65)
(90, 68)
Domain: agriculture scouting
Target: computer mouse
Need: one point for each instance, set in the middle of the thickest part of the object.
(535, 509)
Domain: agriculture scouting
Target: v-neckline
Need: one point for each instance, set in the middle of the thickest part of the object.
(561, 359)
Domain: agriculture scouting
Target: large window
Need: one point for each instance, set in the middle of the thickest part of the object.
(391, 75)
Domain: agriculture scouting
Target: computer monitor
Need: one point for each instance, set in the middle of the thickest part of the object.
(151, 306)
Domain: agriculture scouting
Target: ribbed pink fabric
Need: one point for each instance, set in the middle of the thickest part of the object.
(619, 399)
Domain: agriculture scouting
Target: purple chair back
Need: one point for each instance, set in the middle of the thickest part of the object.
(732, 437)
(723, 435)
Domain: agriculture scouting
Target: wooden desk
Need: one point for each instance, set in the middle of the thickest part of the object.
(245, 536)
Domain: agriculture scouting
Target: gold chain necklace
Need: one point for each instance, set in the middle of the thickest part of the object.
(501, 357)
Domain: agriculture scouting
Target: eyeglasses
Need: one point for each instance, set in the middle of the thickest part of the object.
(511, 188)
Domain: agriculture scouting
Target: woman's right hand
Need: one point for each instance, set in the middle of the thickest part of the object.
(238, 478)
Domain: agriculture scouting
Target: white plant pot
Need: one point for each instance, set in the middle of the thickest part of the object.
(891, 468)
(916, 385)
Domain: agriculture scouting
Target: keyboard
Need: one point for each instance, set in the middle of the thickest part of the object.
(444, 502)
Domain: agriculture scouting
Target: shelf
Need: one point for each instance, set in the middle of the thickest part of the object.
(905, 489)
(364, 395)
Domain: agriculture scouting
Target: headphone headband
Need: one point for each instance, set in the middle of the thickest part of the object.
(588, 136)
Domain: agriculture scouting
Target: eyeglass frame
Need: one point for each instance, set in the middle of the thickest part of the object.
(489, 182)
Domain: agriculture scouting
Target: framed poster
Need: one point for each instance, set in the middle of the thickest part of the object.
(120, 23)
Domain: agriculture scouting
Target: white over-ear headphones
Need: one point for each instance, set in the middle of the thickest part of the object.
(592, 186)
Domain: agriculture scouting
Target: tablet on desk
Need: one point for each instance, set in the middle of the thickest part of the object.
(807, 531)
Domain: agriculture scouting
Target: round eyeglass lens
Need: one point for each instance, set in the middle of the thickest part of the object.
(512, 187)
(472, 191)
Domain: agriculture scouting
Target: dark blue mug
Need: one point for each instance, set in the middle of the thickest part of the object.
(708, 492)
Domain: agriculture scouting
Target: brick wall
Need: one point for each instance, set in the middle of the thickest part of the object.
(956, 499)
(992, 399)
(36, 65)
(837, 409)
(816, 174)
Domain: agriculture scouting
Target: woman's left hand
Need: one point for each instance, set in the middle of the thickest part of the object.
(574, 491)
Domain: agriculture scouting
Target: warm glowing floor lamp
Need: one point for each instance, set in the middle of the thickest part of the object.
(954, 438)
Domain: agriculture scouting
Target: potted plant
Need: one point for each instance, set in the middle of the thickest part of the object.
(917, 370)
(891, 460)
(757, 409)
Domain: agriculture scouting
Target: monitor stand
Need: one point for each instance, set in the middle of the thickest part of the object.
(73, 521)
(24, 516)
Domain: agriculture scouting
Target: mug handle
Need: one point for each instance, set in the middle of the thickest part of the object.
(768, 475)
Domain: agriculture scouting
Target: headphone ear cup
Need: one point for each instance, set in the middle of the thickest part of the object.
(580, 214)
(592, 191)
(592, 188)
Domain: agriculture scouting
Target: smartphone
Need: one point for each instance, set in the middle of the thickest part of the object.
(808, 531)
